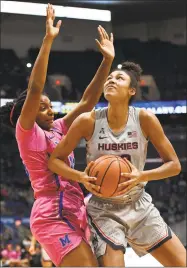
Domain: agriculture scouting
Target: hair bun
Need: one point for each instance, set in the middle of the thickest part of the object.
(132, 67)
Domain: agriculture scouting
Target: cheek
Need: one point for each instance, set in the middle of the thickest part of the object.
(40, 117)
(105, 84)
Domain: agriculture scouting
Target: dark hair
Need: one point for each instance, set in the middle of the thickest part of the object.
(10, 112)
(134, 71)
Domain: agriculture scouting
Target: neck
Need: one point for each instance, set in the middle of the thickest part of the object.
(117, 115)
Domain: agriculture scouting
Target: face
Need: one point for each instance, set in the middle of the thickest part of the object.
(117, 87)
(18, 248)
(45, 116)
(9, 247)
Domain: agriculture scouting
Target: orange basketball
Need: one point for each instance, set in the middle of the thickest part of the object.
(107, 169)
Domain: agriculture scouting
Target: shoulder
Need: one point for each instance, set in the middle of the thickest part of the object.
(86, 118)
(146, 116)
(60, 125)
(21, 132)
(149, 123)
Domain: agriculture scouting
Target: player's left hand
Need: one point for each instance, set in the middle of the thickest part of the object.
(51, 30)
(132, 179)
(105, 45)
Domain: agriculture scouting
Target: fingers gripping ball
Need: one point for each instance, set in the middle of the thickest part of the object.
(107, 169)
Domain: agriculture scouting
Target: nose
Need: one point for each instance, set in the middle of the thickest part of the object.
(50, 111)
(111, 81)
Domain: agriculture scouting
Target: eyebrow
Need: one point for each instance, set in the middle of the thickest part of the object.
(43, 102)
(117, 74)
(120, 74)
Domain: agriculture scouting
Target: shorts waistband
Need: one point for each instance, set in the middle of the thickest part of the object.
(121, 201)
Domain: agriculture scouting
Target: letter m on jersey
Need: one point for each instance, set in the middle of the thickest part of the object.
(65, 240)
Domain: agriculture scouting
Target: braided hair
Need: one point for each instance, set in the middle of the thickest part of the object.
(10, 112)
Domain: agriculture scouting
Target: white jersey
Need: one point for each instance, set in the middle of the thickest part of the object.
(129, 143)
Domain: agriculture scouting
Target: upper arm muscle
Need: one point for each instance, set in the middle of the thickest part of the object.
(30, 109)
(78, 130)
(154, 131)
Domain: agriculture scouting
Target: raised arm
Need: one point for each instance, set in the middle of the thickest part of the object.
(39, 72)
(94, 90)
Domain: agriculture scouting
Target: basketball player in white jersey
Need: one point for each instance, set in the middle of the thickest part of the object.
(129, 216)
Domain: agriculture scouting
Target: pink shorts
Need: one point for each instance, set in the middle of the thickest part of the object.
(59, 223)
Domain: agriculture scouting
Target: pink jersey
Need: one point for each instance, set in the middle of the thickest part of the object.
(35, 146)
(58, 219)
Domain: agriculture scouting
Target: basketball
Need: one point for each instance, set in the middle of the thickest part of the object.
(107, 169)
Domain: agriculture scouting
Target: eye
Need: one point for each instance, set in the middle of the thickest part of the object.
(120, 77)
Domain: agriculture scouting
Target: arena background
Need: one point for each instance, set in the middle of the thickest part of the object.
(151, 33)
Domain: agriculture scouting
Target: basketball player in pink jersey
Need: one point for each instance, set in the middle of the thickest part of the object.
(129, 215)
(58, 219)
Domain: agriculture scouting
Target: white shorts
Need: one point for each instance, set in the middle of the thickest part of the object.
(44, 255)
(136, 222)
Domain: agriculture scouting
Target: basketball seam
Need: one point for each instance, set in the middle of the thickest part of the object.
(127, 164)
(119, 176)
(105, 173)
(129, 167)
(98, 163)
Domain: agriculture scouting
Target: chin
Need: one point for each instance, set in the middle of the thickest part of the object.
(110, 97)
(50, 125)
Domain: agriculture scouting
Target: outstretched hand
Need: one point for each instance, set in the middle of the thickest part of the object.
(51, 30)
(105, 45)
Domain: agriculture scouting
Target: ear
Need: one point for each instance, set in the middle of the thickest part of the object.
(132, 91)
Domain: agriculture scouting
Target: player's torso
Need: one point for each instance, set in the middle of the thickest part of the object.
(129, 143)
(36, 164)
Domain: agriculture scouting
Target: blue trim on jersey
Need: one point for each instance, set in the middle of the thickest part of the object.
(26, 171)
(57, 181)
(60, 212)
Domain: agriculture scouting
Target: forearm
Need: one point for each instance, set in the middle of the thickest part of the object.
(167, 170)
(61, 168)
(33, 241)
(94, 90)
(39, 71)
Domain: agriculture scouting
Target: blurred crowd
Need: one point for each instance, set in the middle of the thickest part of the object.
(15, 241)
(70, 72)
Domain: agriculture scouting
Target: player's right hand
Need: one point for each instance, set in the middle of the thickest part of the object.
(89, 182)
(105, 44)
(51, 30)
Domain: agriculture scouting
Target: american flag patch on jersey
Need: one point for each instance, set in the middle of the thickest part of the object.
(132, 134)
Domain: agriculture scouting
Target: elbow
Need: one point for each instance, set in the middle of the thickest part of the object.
(176, 168)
